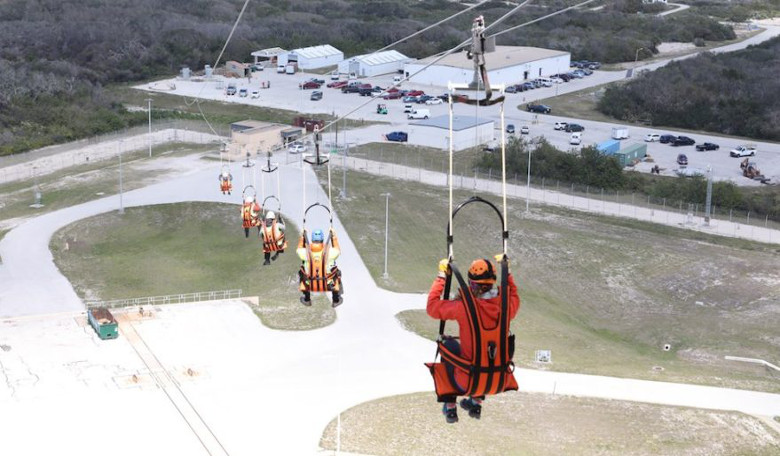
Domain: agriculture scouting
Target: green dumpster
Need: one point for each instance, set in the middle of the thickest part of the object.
(103, 323)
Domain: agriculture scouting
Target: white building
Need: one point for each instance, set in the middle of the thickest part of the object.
(507, 65)
(312, 57)
(368, 65)
(466, 132)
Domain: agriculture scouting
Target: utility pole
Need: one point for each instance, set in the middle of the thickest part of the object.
(149, 100)
(528, 183)
(708, 204)
(387, 229)
(121, 203)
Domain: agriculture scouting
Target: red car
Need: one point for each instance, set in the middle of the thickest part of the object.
(415, 93)
(309, 85)
(337, 84)
(392, 95)
(393, 90)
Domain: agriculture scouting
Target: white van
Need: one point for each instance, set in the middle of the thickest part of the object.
(280, 69)
(547, 82)
(419, 114)
(576, 139)
(408, 108)
(334, 76)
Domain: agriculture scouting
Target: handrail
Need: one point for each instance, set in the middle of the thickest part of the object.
(167, 299)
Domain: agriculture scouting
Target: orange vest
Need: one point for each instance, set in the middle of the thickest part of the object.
(249, 214)
(272, 242)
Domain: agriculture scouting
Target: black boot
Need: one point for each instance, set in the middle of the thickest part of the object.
(337, 299)
(267, 259)
(276, 255)
(246, 232)
(306, 298)
(451, 414)
(474, 409)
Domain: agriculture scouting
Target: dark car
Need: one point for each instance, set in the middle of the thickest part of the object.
(423, 98)
(445, 97)
(538, 108)
(350, 89)
(528, 86)
(316, 95)
(366, 92)
(707, 146)
(682, 159)
(666, 139)
(399, 136)
(573, 127)
(683, 141)
(510, 128)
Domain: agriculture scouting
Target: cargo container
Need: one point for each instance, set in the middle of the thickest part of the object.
(609, 146)
(631, 154)
(103, 323)
(619, 133)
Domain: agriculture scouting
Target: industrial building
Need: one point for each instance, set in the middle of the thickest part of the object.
(253, 136)
(268, 55)
(466, 132)
(368, 65)
(311, 57)
(506, 65)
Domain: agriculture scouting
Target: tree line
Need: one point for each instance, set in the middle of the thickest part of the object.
(736, 93)
(591, 168)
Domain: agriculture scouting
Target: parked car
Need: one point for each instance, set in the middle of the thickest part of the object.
(398, 136)
(444, 97)
(434, 101)
(682, 160)
(366, 92)
(392, 96)
(524, 130)
(560, 125)
(350, 89)
(528, 86)
(743, 151)
(415, 93)
(318, 81)
(576, 139)
(243, 93)
(255, 94)
(337, 84)
(587, 71)
(334, 76)
(683, 141)
(666, 139)
(423, 98)
(510, 128)
(408, 108)
(707, 146)
(538, 108)
(316, 95)
(573, 127)
(652, 137)
(511, 89)
(410, 99)
(296, 148)
(309, 85)
(419, 114)
(231, 90)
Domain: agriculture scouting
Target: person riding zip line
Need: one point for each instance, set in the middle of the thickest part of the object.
(482, 281)
(250, 214)
(226, 182)
(319, 272)
(273, 237)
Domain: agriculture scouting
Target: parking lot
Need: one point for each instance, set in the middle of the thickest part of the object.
(283, 92)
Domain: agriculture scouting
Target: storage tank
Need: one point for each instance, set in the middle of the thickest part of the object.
(185, 73)
(208, 71)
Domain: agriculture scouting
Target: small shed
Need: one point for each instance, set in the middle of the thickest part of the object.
(253, 136)
(368, 65)
(237, 69)
(631, 154)
(312, 57)
(467, 131)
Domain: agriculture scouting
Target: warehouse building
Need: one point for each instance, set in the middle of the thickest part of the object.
(267, 55)
(466, 132)
(374, 64)
(254, 136)
(312, 57)
(507, 65)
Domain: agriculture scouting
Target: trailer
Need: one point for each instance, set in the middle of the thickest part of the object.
(103, 323)
(608, 147)
(619, 133)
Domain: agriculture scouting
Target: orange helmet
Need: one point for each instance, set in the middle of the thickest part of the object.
(482, 271)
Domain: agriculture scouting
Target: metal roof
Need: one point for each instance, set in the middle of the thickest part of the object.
(316, 51)
(504, 56)
(458, 122)
(380, 58)
(270, 52)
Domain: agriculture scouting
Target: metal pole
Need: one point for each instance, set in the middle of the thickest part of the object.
(707, 210)
(150, 126)
(121, 203)
(528, 182)
(387, 229)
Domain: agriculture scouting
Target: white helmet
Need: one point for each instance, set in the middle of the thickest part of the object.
(270, 215)
(248, 199)
(224, 174)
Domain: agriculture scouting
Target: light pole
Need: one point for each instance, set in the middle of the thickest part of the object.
(149, 100)
(636, 59)
(528, 183)
(387, 227)
(707, 209)
(121, 203)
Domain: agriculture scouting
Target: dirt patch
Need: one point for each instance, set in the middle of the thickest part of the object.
(674, 48)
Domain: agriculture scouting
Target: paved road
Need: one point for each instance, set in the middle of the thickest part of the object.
(678, 8)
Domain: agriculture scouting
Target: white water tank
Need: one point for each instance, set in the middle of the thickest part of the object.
(209, 71)
(185, 73)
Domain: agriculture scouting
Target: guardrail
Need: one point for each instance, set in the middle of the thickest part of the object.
(169, 299)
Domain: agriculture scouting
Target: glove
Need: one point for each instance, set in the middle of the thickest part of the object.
(499, 257)
(444, 268)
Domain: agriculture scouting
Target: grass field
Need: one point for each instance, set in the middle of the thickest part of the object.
(538, 425)
(87, 182)
(604, 294)
(148, 251)
(417, 156)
